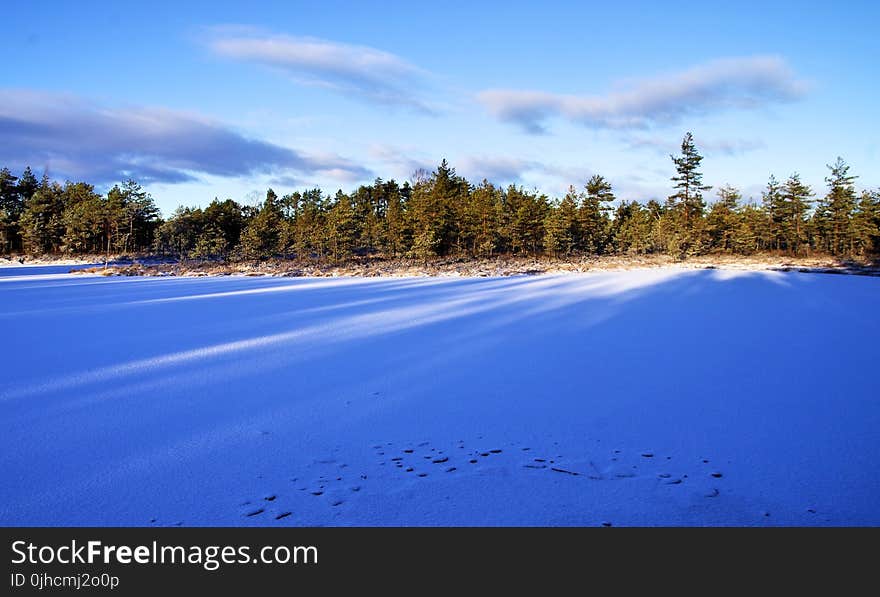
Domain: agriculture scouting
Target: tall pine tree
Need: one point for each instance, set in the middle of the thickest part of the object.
(796, 201)
(689, 181)
(687, 203)
(835, 211)
(594, 220)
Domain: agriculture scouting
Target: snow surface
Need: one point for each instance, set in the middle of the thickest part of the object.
(533, 400)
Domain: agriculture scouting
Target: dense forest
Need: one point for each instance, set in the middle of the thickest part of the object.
(442, 214)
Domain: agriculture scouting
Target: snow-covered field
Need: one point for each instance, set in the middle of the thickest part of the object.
(649, 397)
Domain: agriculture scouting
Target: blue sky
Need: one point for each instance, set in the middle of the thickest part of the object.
(205, 99)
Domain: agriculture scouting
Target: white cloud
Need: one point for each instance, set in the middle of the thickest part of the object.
(74, 138)
(361, 71)
(741, 83)
(668, 145)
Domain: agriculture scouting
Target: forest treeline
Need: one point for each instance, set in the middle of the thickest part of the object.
(442, 214)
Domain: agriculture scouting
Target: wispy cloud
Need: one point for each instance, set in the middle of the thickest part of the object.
(405, 161)
(498, 169)
(360, 71)
(743, 83)
(74, 138)
(401, 162)
(666, 146)
(551, 178)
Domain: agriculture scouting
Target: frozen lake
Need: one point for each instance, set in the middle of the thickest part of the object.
(655, 397)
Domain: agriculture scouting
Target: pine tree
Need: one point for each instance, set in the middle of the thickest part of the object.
(834, 212)
(260, 240)
(687, 234)
(524, 214)
(723, 219)
(866, 224)
(753, 233)
(308, 235)
(11, 207)
(27, 185)
(130, 218)
(140, 215)
(796, 203)
(223, 223)
(562, 229)
(484, 217)
(632, 228)
(434, 205)
(777, 212)
(594, 220)
(81, 219)
(689, 182)
(181, 233)
(341, 230)
(561, 226)
(41, 224)
(397, 232)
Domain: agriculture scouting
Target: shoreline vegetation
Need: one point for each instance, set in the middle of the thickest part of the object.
(149, 266)
(440, 223)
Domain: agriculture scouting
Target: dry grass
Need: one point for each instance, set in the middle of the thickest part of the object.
(499, 266)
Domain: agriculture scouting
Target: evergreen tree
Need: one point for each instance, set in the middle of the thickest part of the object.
(834, 213)
(484, 219)
(684, 216)
(81, 219)
(632, 228)
(27, 185)
(796, 203)
(139, 217)
(41, 224)
(260, 240)
(689, 182)
(723, 219)
(777, 212)
(11, 207)
(866, 224)
(594, 220)
(397, 232)
(341, 230)
(435, 230)
(524, 215)
(222, 224)
(562, 226)
(181, 233)
(308, 225)
(114, 220)
(368, 211)
(443, 214)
